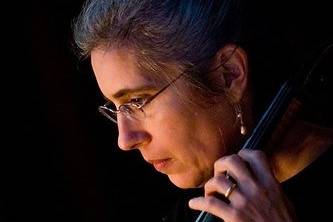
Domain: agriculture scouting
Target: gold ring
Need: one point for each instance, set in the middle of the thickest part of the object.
(229, 190)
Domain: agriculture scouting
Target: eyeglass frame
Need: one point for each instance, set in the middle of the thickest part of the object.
(104, 107)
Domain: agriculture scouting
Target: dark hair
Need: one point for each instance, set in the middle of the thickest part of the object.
(185, 33)
(161, 29)
(160, 32)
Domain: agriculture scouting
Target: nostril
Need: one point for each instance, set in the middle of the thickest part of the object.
(131, 134)
(135, 146)
(133, 139)
(125, 142)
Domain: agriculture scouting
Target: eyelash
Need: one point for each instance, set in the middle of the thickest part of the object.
(138, 99)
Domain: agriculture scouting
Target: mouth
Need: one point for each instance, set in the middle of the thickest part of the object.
(161, 165)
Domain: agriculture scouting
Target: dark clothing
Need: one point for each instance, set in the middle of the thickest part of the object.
(181, 212)
(310, 192)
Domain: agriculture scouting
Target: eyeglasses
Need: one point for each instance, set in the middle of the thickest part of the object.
(133, 109)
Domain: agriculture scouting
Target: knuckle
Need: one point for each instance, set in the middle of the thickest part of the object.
(263, 194)
(235, 215)
(210, 183)
(219, 162)
(256, 190)
(210, 202)
(252, 153)
(243, 203)
(244, 152)
(225, 160)
(234, 157)
(259, 154)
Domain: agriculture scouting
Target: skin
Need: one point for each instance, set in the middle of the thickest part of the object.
(257, 196)
(173, 131)
(192, 151)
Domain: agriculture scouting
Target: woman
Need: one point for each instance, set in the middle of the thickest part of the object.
(177, 82)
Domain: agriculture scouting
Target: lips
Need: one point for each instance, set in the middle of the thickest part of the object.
(161, 164)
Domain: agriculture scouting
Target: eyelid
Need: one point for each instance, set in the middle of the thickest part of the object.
(139, 96)
(142, 100)
(146, 94)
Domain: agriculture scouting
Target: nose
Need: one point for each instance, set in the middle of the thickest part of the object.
(131, 134)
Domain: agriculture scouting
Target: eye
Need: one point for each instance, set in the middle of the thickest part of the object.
(138, 101)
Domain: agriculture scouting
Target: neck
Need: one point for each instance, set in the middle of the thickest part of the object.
(296, 144)
(303, 144)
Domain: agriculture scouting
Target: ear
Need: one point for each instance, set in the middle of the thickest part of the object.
(235, 72)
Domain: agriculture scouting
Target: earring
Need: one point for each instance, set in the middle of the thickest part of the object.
(239, 116)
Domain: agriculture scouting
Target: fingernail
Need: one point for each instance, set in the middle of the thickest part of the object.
(193, 202)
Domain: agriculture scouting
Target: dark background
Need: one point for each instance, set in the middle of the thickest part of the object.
(59, 158)
(59, 155)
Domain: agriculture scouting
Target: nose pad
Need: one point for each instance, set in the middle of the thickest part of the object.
(130, 134)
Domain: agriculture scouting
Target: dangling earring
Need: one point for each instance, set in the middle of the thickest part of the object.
(239, 116)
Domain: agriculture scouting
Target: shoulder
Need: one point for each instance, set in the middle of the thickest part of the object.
(311, 188)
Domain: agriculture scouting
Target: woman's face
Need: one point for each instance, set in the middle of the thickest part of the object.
(179, 138)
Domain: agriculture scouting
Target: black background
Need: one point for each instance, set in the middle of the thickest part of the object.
(59, 158)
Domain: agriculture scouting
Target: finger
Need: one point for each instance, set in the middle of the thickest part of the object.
(213, 206)
(234, 166)
(259, 165)
(221, 185)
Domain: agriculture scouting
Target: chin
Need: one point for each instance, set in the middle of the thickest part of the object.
(187, 181)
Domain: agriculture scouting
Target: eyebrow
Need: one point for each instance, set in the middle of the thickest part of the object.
(127, 91)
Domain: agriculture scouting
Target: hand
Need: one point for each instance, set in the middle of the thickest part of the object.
(257, 195)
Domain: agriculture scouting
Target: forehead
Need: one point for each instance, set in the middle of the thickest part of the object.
(117, 69)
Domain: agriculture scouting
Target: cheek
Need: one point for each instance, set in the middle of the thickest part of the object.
(189, 136)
